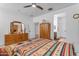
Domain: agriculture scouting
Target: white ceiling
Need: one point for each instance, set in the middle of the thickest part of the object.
(30, 11)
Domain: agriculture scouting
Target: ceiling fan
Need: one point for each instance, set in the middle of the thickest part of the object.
(34, 5)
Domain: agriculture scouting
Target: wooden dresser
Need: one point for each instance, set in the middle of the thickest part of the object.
(15, 38)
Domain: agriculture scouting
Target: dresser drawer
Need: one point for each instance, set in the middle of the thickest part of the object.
(9, 41)
(15, 38)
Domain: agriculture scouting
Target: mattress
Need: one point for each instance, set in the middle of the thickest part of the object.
(41, 47)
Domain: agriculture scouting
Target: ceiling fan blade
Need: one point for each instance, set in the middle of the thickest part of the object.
(27, 6)
(39, 7)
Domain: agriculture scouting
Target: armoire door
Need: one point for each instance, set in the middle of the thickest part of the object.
(45, 30)
(41, 31)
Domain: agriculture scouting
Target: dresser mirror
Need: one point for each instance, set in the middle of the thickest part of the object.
(16, 27)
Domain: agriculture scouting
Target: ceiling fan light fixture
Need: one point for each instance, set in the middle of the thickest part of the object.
(33, 5)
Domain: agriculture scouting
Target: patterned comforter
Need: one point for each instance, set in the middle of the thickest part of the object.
(41, 47)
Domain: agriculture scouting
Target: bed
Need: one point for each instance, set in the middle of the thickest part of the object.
(40, 47)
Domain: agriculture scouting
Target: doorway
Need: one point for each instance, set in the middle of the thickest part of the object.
(36, 30)
(59, 25)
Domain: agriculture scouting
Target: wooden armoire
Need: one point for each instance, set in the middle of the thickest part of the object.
(45, 29)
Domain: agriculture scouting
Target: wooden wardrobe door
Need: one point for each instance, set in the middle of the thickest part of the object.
(41, 30)
(45, 30)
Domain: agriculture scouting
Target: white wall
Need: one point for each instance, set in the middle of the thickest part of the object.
(7, 16)
(72, 26)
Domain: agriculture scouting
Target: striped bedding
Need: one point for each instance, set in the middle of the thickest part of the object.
(42, 47)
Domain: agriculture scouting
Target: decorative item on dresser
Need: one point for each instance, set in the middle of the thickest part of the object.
(16, 33)
(45, 29)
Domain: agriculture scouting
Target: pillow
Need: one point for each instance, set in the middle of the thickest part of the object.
(3, 52)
